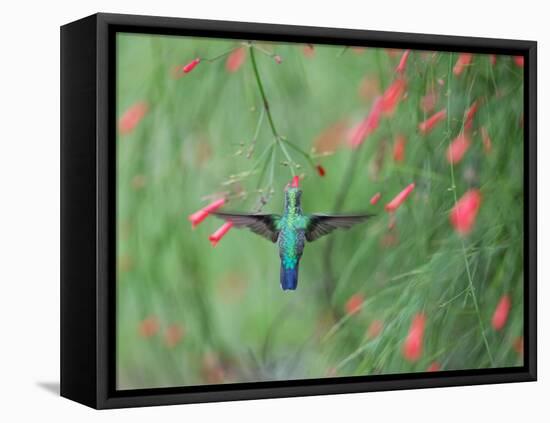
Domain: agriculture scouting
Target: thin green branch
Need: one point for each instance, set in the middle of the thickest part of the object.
(288, 158)
(300, 151)
(219, 56)
(256, 134)
(262, 93)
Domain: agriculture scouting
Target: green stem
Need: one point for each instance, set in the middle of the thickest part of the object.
(262, 93)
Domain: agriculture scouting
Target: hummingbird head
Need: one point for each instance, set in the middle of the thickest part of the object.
(293, 197)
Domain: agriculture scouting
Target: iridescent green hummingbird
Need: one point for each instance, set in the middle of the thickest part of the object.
(291, 230)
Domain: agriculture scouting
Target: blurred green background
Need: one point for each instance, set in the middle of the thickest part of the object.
(191, 314)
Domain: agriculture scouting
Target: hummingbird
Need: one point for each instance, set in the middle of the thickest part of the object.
(291, 230)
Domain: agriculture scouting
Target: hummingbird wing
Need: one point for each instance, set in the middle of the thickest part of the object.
(262, 224)
(319, 225)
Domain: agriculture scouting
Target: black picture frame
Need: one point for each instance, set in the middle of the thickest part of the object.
(88, 130)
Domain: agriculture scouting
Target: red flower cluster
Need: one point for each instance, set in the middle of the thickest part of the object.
(500, 316)
(399, 148)
(458, 148)
(368, 125)
(427, 126)
(374, 199)
(386, 104)
(469, 115)
(463, 215)
(403, 62)
(394, 204)
(203, 213)
(464, 60)
(132, 116)
(393, 95)
(412, 347)
(354, 304)
(235, 60)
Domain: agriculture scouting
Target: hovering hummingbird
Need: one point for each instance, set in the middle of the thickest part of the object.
(291, 229)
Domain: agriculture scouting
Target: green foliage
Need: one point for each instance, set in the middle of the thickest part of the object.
(233, 321)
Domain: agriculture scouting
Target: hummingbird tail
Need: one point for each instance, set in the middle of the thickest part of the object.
(289, 278)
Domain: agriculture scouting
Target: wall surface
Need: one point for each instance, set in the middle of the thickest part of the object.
(29, 171)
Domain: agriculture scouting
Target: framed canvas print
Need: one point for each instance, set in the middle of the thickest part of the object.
(255, 211)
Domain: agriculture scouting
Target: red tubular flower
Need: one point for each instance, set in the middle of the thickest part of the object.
(394, 204)
(434, 367)
(487, 144)
(295, 182)
(500, 316)
(428, 102)
(220, 233)
(180, 70)
(375, 329)
(320, 170)
(458, 148)
(518, 345)
(353, 305)
(412, 347)
(403, 62)
(463, 214)
(131, 117)
(426, 126)
(493, 59)
(464, 59)
(191, 65)
(367, 126)
(148, 327)
(309, 50)
(197, 217)
(399, 148)
(519, 61)
(203, 213)
(374, 199)
(469, 115)
(393, 95)
(235, 60)
(173, 335)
